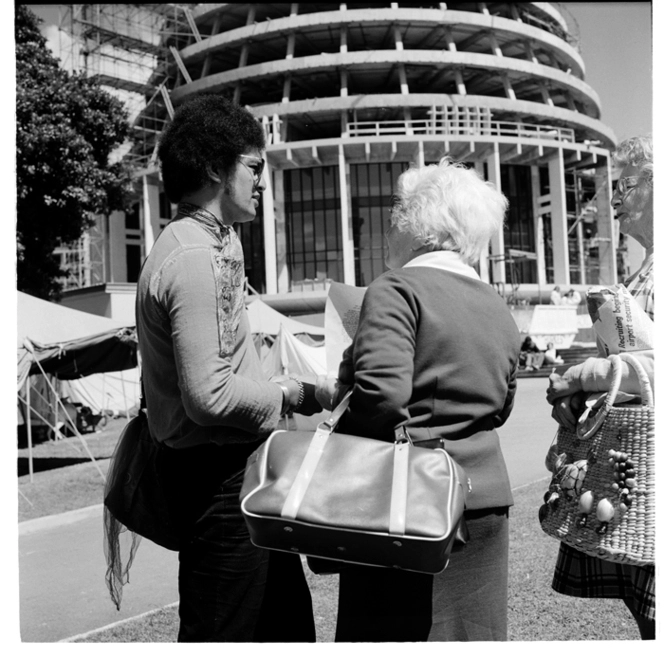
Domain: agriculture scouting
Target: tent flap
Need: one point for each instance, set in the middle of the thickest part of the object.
(112, 351)
(70, 344)
(267, 321)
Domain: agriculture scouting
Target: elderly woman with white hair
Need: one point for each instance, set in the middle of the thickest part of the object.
(437, 349)
(577, 574)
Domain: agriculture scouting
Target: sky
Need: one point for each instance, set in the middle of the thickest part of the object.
(616, 48)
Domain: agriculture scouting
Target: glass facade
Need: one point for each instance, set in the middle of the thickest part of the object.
(134, 258)
(312, 206)
(313, 224)
(519, 232)
(583, 231)
(253, 246)
(372, 187)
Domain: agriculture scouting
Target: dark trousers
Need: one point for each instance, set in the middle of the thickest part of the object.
(466, 602)
(230, 590)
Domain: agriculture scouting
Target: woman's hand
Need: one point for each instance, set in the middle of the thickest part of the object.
(301, 393)
(329, 391)
(567, 410)
(310, 405)
(560, 386)
(566, 396)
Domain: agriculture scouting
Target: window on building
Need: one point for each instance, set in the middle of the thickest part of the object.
(519, 232)
(548, 247)
(253, 246)
(372, 187)
(132, 218)
(134, 258)
(313, 227)
(165, 211)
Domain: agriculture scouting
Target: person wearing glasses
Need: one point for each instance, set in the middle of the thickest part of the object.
(209, 405)
(577, 574)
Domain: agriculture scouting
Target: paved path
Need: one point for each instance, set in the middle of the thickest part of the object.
(62, 587)
(62, 566)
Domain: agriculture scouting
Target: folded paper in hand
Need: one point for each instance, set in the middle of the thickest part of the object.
(618, 320)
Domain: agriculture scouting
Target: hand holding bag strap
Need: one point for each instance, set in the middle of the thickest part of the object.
(311, 458)
(588, 428)
(340, 409)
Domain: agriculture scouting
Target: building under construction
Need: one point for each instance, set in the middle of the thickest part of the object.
(351, 94)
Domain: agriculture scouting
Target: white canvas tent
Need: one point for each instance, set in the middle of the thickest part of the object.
(265, 320)
(113, 393)
(288, 355)
(59, 344)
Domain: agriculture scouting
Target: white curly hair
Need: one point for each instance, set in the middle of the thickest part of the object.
(637, 151)
(450, 206)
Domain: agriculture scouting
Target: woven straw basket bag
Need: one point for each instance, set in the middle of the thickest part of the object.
(601, 499)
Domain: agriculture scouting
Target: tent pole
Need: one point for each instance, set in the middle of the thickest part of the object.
(55, 417)
(103, 392)
(22, 494)
(29, 427)
(75, 428)
(124, 395)
(48, 423)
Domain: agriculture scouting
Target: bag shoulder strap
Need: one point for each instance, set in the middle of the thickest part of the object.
(339, 410)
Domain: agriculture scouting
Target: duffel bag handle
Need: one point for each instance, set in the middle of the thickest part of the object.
(310, 461)
(339, 410)
(588, 428)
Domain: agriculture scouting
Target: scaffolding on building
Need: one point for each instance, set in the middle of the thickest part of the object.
(129, 49)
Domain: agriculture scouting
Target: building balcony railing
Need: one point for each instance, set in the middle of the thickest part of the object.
(459, 127)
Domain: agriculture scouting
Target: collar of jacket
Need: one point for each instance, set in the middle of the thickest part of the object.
(204, 217)
(447, 260)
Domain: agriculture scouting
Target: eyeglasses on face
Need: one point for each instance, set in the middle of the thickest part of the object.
(254, 164)
(624, 185)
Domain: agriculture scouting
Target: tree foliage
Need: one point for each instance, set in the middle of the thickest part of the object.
(66, 128)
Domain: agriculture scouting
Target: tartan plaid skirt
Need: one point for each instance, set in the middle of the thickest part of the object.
(583, 576)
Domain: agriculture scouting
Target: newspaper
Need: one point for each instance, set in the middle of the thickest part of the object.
(618, 320)
(342, 314)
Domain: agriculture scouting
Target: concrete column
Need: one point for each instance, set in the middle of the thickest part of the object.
(539, 224)
(117, 267)
(343, 74)
(498, 240)
(269, 233)
(148, 204)
(580, 240)
(347, 244)
(283, 278)
(449, 40)
(460, 84)
(607, 230)
(556, 168)
(494, 45)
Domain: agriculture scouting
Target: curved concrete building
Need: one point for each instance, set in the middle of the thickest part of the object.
(351, 94)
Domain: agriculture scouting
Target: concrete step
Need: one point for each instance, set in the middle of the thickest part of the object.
(575, 354)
